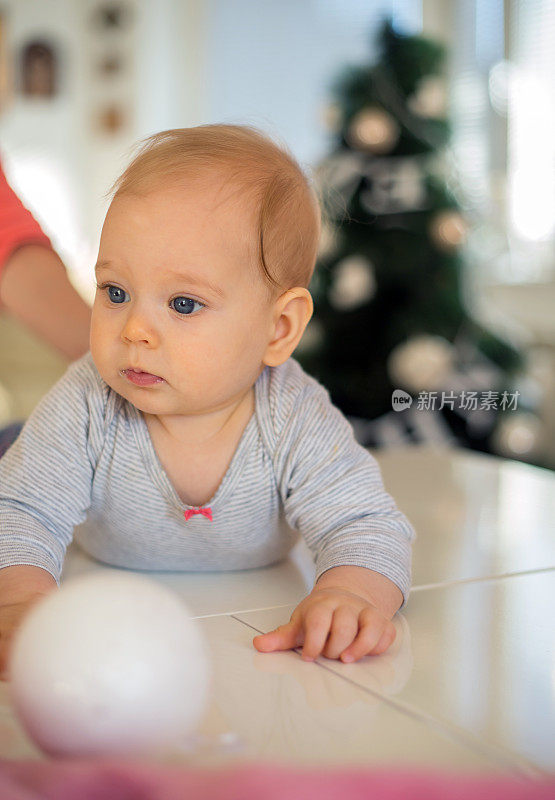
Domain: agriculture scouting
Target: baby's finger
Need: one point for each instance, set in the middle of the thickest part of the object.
(371, 637)
(388, 637)
(344, 628)
(317, 623)
(285, 637)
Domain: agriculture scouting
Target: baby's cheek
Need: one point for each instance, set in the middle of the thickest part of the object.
(102, 347)
(97, 328)
(97, 340)
(220, 352)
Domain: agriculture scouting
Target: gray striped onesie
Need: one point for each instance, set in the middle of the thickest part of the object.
(84, 465)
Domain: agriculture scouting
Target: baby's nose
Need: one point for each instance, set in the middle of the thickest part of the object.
(138, 328)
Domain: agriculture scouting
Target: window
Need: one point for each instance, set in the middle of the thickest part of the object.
(503, 144)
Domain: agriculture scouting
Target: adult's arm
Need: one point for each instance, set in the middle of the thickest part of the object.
(34, 286)
(35, 289)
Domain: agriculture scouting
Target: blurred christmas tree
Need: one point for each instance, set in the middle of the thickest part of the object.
(388, 295)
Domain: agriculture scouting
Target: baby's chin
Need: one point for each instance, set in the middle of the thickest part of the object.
(153, 400)
(150, 398)
(137, 395)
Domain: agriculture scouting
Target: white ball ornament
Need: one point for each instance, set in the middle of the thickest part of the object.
(423, 363)
(519, 436)
(110, 664)
(354, 283)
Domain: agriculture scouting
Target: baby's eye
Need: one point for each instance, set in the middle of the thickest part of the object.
(185, 305)
(115, 294)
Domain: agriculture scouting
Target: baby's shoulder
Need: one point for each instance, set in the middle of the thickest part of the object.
(82, 376)
(83, 371)
(292, 393)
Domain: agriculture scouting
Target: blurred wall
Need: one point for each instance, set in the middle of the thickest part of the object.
(181, 63)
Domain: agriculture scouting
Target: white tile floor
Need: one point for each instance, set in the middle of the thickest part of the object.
(469, 684)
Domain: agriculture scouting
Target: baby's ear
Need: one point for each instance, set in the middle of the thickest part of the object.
(291, 314)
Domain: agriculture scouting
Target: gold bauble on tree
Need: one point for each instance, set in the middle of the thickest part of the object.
(430, 99)
(373, 129)
(448, 230)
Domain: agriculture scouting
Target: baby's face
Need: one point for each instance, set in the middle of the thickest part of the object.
(178, 296)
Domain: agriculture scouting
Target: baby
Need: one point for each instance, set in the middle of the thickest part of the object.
(188, 438)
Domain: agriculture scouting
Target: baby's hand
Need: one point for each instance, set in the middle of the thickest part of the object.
(11, 617)
(334, 622)
(21, 586)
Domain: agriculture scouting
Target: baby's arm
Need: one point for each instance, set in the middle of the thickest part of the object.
(333, 494)
(45, 490)
(20, 588)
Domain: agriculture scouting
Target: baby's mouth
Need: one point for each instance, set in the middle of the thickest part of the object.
(140, 378)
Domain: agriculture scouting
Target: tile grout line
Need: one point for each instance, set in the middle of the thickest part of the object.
(242, 611)
(500, 576)
(419, 588)
(494, 753)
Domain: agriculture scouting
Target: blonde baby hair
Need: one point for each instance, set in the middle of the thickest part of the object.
(266, 175)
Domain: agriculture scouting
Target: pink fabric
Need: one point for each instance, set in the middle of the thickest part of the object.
(206, 512)
(90, 779)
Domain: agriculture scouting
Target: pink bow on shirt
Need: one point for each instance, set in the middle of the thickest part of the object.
(207, 512)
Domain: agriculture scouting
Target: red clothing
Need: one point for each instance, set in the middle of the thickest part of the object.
(17, 224)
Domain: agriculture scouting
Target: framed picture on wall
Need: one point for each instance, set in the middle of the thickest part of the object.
(112, 16)
(111, 119)
(39, 69)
